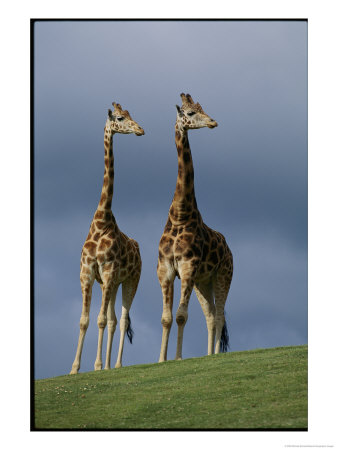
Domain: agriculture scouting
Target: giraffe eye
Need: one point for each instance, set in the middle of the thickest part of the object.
(120, 119)
(191, 113)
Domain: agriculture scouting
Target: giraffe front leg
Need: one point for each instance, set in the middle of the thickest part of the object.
(86, 287)
(182, 314)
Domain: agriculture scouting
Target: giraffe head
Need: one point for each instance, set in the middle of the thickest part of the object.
(192, 116)
(120, 121)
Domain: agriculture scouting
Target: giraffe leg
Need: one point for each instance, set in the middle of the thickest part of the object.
(129, 288)
(221, 289)
(107, 291)
(182, 313)
(111, 325)
(87, 281)
(205, 296)
(166, 278)
(167, 317)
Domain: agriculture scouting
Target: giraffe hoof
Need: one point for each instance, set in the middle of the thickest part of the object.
(97, 366)
(118, 365)
(73, 372)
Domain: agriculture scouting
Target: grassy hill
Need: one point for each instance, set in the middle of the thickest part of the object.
(265, 389)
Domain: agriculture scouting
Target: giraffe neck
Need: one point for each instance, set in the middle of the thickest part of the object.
(184, 201)
(108, 179)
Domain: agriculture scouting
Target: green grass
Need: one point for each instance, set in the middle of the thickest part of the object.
(265, 389)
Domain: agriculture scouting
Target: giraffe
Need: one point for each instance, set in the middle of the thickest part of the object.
(189, 249)
(108, 255)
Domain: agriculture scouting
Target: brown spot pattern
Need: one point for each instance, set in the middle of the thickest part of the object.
(90, 247)
(188, 248)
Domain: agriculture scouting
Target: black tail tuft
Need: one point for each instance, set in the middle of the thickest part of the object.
(224, 339)
(130, 332)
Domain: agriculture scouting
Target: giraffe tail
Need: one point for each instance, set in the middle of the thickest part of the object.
(224, 338)
(130, 332)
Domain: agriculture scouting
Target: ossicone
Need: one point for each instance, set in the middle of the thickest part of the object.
(117, 106)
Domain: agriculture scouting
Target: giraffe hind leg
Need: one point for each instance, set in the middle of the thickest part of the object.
(205, 296)
(182, 313)
(129, 288)
(111, 325)
(109, 287)
(167, 316)
(166, 277)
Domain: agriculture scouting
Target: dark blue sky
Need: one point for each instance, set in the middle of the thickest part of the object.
(250, 173)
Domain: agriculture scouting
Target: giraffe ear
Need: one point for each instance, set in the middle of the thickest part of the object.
(110, 114)
(180, 112)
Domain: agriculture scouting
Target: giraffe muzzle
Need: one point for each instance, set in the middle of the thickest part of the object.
(213, 124)
(139, 132)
